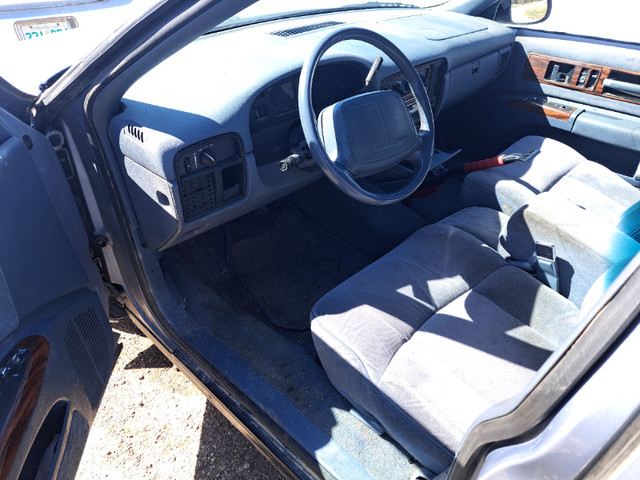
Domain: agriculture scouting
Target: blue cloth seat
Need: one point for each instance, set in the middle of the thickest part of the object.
(586, 244)
(436, 331)
(557, 168)
(444, 327)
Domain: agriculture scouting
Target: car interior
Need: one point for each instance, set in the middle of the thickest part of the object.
(320, 232)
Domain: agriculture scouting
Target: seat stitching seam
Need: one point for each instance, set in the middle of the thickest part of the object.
(505, 311)
(567, 172)
(350, 350)
(513, 316)
(634, 232)
(438, 310)
(482, 242)
(421, 267)
(414, 424)
(478, 184)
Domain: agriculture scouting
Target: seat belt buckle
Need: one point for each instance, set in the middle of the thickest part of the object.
(547, 265)
(518, 157)
(503, 159)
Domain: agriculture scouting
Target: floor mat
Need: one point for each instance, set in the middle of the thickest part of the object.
(373, 230)
(199, 275)
(288, 262)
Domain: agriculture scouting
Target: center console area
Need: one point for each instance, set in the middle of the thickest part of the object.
(210, 174)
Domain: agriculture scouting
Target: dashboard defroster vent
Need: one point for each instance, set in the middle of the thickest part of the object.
(305, 28)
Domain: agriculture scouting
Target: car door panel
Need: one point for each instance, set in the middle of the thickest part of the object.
(535, 49)
(590, 76)
(56, 345)
(560, 86)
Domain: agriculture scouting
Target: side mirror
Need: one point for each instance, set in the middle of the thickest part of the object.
(524, 12)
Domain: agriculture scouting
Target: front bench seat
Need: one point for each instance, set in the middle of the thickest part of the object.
(557, 168)
(436, 331)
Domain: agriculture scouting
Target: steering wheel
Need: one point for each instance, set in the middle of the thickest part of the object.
(370, 132)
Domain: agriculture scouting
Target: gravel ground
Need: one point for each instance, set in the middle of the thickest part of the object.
(153, 423)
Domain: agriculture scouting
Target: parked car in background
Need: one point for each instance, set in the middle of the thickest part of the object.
(388, 240)
(29, 31)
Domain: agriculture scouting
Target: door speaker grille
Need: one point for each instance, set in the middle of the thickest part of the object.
(87, 343)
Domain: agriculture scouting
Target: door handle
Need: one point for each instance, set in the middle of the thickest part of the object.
(623, 87)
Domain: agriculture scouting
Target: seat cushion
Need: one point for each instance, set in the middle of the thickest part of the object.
(556, 168)
(476, 352)
(482, 223)
(401, 290)
(597, 189)
(436, 331)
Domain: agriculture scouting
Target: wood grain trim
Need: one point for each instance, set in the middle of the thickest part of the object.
(25, 402)
(545, 110)
(537, 65)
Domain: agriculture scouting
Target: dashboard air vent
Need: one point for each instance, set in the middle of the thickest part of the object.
(436, 83)
(502, 61)
(305, 28)
(135, 131)
(210, 174)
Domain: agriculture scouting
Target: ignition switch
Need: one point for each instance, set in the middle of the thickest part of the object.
(290, 161)
(300, 155)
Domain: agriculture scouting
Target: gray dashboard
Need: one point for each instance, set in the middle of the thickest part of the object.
(200, 136)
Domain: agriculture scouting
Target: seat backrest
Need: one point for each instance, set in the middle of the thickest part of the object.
(586, 245)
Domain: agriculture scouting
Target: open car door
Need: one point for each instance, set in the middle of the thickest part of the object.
(56, 345)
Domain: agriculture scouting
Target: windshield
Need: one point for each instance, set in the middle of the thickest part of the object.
(40, 38)
(267, 10)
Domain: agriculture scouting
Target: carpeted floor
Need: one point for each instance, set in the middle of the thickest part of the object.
(251, 284)
(286, 262)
